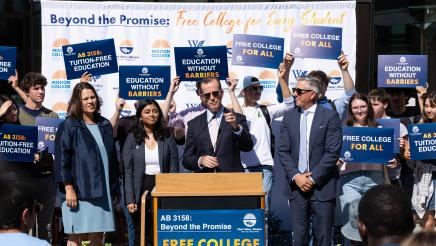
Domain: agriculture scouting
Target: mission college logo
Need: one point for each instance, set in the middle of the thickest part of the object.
(249, 220)
(268, 79)
(59, 81)
(126, 46)
(160, 50)
(61, 109)
(56, 50)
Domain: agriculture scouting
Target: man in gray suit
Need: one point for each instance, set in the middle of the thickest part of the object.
(309, 145)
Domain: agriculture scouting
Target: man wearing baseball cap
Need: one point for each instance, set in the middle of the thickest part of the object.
(259, 118)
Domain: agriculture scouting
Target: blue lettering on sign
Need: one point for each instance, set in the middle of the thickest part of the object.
(299, 73)
(196, 43)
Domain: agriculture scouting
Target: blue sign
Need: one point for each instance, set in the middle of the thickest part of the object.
(47, 128)
(195, 63)
(422, 140)
(367, 144)
(210, 227)
(8, 57)
(321, 42)
(18, 143)
(257, 51)
(403, 71)
(394, 124)
(96, 57)
(139, 82)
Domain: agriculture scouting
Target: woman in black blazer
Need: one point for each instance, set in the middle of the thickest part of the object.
(149, 150)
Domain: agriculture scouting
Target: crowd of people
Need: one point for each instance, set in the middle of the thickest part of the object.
(101, 162)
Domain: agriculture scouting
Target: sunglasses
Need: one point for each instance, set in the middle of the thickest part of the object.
(255, 88)
(208, 95)
(300, 91)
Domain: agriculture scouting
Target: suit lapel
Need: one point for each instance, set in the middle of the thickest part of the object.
(161, 151)
(315, 125)
(297, 119)
(140, 151)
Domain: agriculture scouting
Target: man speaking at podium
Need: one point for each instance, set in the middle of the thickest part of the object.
(309, 145)
(215, 138)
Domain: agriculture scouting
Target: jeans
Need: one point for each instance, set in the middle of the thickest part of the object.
(354, 185)
(267, 180)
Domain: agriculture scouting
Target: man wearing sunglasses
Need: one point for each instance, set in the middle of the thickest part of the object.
(259, 118)
(308, 148)
(18, 210)
(215, 138)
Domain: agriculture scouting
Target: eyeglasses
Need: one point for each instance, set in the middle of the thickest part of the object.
(300, 91)
(213, 93)
(255, 88)
(361, 108)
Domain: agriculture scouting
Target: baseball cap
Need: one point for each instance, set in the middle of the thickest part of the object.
(247, 82)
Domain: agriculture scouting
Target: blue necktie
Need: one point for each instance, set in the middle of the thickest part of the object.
(302, 159)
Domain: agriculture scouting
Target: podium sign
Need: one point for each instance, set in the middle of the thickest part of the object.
(211, 227)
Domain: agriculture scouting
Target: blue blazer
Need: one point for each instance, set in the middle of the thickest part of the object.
(198, 143)
(78, 160)
(134, 164)
(324, 148)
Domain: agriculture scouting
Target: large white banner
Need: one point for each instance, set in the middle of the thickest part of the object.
(146, 34)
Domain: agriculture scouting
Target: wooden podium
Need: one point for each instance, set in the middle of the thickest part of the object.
(205, 191)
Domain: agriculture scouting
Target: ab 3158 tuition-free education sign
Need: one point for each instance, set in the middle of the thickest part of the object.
(96, 57)
(18, 143)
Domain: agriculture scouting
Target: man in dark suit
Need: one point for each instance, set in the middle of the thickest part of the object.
(309, 145)
(215, 137)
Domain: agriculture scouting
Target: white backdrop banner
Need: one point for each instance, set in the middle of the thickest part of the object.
(146, 34)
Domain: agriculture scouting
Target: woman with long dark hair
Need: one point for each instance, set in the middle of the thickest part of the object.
(149, 150)
(357, 178)
(86, 168)
(424, 190)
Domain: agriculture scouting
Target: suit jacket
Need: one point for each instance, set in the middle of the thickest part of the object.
(134, 164)
(324, 148)
(78, 158)
(229, 144)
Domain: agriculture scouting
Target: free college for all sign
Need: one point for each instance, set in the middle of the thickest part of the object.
(407, 71)
(321, 42)
(367, 144)
(257, 51)
(210, 227)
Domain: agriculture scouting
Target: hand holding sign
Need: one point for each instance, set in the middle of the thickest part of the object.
(13, 80)
(86, 77)
(4, 108)
(343, 61)
(175, 84)
(232, 83)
